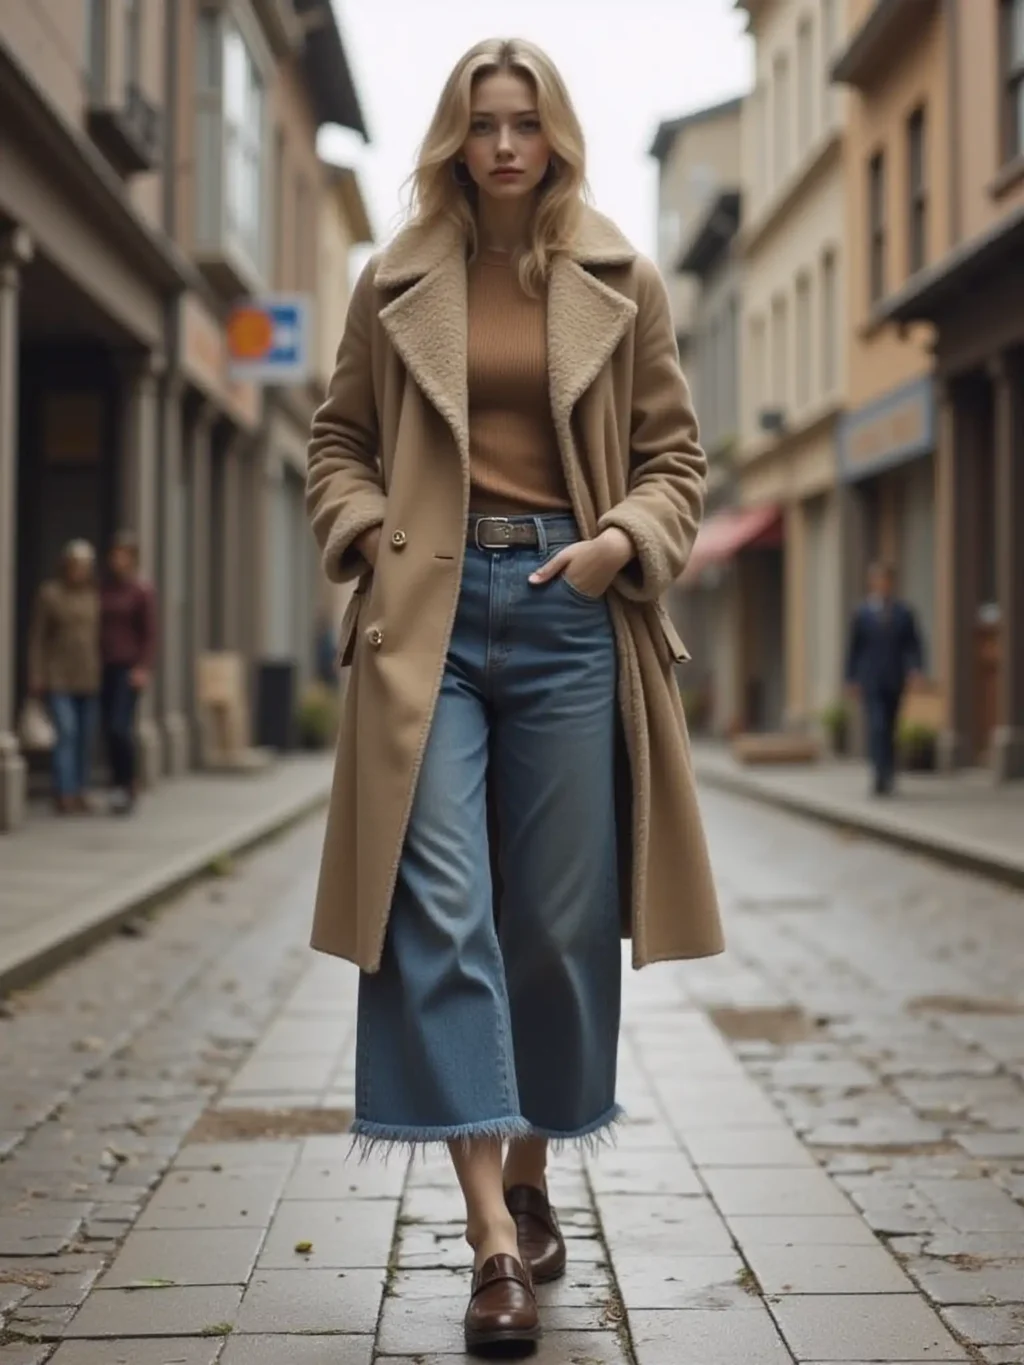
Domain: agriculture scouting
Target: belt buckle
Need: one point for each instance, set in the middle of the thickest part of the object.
(501, 521)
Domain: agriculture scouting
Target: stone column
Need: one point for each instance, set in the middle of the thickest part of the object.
(953, 612)
(199, 556)
(1008, 432)
(138, 489)
(794, 617)
(15, 252)
(172, 552)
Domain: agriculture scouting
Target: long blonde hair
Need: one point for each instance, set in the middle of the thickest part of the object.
(438, 196)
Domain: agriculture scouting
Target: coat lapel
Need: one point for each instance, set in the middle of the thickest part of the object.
(586, 321)
(427, 322)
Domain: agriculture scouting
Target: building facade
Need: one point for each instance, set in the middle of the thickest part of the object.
(157, 165)
(697, 154)
(894, 64)
(793, 367)
(971, 292)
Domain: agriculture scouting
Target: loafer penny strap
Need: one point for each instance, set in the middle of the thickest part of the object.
(499, 1268)
(527, 1199)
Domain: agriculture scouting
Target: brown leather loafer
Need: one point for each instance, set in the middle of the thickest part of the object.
(541, 1243)
(502, 1308)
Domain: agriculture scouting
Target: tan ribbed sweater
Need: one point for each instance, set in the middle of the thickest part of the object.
(514, 461)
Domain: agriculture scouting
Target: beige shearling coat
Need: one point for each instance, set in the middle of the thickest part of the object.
(390, 447)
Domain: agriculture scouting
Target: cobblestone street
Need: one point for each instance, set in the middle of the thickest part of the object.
(824, 1158)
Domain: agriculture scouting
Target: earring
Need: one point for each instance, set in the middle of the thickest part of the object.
(461, 175)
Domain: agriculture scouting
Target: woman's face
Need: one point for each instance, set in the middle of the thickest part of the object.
(77, 570)
(506, 152)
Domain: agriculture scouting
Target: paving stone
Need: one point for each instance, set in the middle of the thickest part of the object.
(712, 1338)
(750, 1191)
(994, 1325)
(663, 1225)
(980, 1283)
(342, 1234)
(881, 1327)
(311, 1301)
(167, 1351)
(155, 1312)
(298, 1350)
(763, 1147)
(20, 1354)
(64, 1290)
(37, 1234)
(827, 1270)
(236, 1156)
(704, 1282)
(339, 1179)
(797, 1230)
(217, 1256)
(554, 1348)
(644, 1173)
(215, 1199)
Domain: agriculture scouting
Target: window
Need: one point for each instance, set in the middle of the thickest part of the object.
(96, 49)
(781, 120)
(803, 341)
(917, 207)
(780, 352)
(243, 144)
(1012, 47)
(876, 226)
(760, 142)
(805, 84)
(829, 323)
(132, 44)
(278, 191)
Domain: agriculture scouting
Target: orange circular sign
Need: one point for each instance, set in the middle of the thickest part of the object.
(250, 333)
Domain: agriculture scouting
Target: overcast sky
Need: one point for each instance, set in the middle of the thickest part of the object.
(628, 63)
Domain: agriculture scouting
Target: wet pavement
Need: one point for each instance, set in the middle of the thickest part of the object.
(824, 1159)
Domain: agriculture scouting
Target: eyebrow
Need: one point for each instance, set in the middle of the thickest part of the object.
(489, 113)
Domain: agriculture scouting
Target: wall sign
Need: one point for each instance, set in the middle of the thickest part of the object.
(270, 340)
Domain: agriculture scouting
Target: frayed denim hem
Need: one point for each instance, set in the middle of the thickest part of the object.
(384, 1138)
(595, 1135)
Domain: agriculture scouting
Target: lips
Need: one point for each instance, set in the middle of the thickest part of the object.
(506, 173)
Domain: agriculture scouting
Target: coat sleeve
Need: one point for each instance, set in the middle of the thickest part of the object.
(344, 487)
(668, 469)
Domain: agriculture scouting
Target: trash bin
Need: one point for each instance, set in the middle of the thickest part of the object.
(275, 704)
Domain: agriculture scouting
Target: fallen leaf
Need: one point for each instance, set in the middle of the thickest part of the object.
(151, 1284)
(303, 1247)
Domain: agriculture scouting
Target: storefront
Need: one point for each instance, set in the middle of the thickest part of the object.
(975, 299)
(887, 465)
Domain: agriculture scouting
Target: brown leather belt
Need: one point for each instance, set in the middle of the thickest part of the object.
(501, 533)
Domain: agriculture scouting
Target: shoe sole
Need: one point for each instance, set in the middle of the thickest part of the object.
(550, 1277)
(502, 1343)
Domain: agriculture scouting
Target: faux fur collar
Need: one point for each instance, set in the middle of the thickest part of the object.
(415, 251)
(427, 322)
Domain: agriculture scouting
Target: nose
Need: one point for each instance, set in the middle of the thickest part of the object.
(505, 148)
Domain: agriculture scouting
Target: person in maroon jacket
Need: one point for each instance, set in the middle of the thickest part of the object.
(127, 648)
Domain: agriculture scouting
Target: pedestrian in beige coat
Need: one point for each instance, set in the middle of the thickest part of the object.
(508, 465)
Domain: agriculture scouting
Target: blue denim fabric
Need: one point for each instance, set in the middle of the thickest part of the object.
(74, 718)
(472, 1028)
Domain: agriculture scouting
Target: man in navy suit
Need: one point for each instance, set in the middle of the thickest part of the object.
(884, 653)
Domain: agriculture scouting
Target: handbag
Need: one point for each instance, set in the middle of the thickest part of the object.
(35, 728)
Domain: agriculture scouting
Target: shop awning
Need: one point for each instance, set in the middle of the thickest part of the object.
(725, 533)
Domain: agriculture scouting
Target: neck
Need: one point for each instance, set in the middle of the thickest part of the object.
(504, 227)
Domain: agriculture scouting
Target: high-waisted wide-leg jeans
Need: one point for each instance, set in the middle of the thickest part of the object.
(474, 1027)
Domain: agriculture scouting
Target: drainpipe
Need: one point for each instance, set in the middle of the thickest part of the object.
(951, 11)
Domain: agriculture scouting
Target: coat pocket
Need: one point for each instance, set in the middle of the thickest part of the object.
(676, 650)
(350, 621)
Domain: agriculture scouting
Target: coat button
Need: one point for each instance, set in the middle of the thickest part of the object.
(375, 637)
(399, 540)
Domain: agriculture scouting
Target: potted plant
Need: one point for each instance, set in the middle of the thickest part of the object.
(317, 717)
(835, 721)
(916, 746)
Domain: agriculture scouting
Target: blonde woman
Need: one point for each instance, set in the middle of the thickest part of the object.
(64, 668)
(508, 465)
